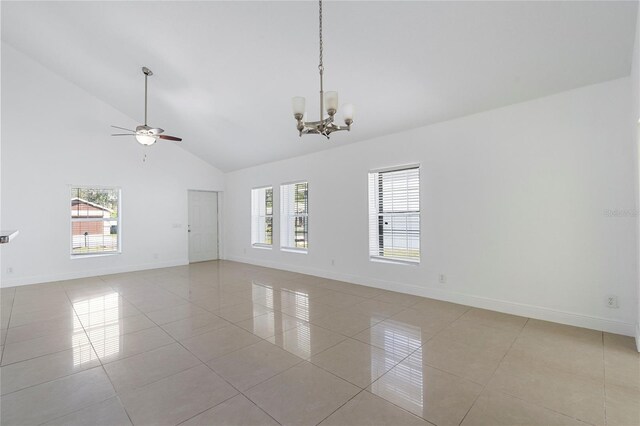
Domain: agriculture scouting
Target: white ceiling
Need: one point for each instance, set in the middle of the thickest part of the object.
(225, 72)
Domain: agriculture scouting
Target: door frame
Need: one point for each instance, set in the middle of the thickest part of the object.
(219, 222)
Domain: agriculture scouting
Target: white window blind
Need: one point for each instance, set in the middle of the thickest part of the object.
(262, 216)
(394, 214)
(95, 220)
(294, 216)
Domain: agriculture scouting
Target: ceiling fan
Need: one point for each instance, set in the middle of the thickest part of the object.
(144, 134)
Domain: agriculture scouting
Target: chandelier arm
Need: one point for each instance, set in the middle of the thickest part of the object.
(322, 123)
(336, 128)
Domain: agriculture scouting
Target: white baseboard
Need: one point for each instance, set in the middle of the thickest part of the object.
(35, 279)
(638, 336)
(514, 308)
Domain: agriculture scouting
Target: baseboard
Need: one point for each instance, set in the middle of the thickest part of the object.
(514, 308)
(638, 336)
(36, 279)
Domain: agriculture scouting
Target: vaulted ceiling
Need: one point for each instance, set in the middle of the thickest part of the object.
(225, 72)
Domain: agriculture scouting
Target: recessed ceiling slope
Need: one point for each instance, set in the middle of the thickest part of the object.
(229, 68)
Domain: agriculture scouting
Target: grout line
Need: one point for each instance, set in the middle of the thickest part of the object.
(535, 404)
(170, 375)
(8, 326)
(225, 380)
(342, 405)
(243, 392)
(199, 359)
(370, 384)
(71, 374)
(124, 408)
(260, 408)
(204, 411)
(544, 407)
(375, 347)
(484, 388)
(85, 407)
(116, 393)
(84, 330)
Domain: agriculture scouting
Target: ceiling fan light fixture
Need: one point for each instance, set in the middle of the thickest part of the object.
(145, 139)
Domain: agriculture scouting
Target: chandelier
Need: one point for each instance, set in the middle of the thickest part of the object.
(328, 100)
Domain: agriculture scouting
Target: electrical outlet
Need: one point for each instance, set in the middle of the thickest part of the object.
(612, 301)
(333, 262)
(442, 278)
(156, 255)
(9, 270)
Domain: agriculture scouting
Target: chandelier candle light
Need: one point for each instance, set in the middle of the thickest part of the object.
(325, 126)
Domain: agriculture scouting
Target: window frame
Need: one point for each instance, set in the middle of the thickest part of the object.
(265, 216)
(284, 216)
(118, 220)
(378, 214)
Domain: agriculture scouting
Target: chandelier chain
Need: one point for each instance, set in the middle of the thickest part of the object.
(321, 66)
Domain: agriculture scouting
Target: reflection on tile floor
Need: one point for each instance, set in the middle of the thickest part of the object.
(229, 343)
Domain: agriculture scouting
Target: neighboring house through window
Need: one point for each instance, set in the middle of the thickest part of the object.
(394, 214)
(95, 220)
(262, 217)
(294, 216)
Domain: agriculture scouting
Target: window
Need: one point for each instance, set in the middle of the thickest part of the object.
(262, 216)
(394, 214)
(95, 223)
(294, 216)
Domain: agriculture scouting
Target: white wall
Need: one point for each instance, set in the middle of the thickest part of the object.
(55, 135)
(635, 130)
(513, 209)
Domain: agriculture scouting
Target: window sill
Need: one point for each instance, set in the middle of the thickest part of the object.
(85, 256)
(294, 250)
(261, 246)
(394, 261)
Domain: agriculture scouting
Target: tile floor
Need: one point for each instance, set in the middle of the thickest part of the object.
(224, 343)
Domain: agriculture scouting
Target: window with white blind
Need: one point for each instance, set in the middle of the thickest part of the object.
(95, 221)
(294, 216)
(394, 214)
(262, 217)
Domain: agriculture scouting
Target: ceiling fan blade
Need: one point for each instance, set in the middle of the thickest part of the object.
(122, 128)
(167, 137)
(123, 134)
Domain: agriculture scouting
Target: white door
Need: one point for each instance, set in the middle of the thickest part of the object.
(203, 226)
